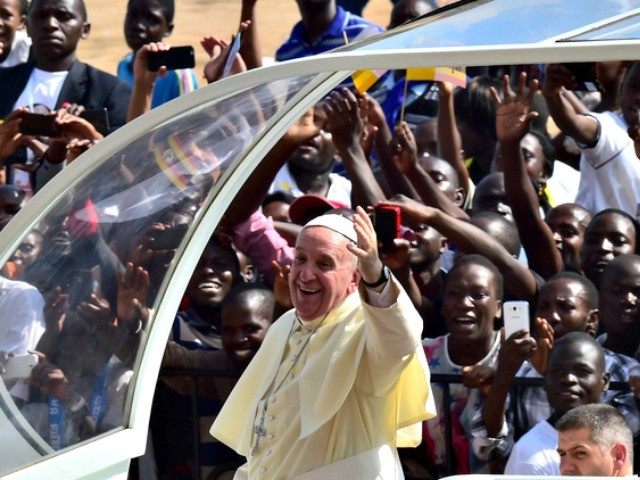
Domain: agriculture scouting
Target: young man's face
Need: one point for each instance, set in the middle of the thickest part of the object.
(581, 456)
(533, 156)
(620, 298)
(607, 236)
(323, 272)
(575, 376)
(568, 233)
(563, 304)
(56, 27)
(471, 304)
(315, 155)
(244, 324)
(629, 96)
(10, 20)
(145, 22)
(444, 177)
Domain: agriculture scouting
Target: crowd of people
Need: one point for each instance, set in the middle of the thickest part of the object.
(517, 187)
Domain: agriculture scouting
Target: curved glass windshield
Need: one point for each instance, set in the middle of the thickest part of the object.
(81, 287)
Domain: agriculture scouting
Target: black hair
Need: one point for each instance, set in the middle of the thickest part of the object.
(79, 4)
(579, 337)
(168, 7)
(256, 288)
(584, 217)
(475, 106)
(548, 150)
(278, 196)
(475, 259)
(506, 232)
(24, 7)
(622, 213)
(589, 288)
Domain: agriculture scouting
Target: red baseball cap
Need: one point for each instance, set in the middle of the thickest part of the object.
(311, 205)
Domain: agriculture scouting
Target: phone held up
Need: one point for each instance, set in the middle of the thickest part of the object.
(585, 75)
(386, 223)
(39, 124)
(516, 317)
(173, 59)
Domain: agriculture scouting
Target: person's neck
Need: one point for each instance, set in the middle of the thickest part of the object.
(309, 182)
(208, 313)
(317, 21)
(57, 65)
(466, 353)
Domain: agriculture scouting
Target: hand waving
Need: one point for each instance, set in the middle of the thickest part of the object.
(513, 114)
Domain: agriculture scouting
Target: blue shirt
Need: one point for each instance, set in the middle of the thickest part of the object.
(172, 85)
(296, 45)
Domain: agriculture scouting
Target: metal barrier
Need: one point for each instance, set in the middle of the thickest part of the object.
(443, 379)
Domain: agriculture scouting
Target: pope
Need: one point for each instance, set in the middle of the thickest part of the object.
(341, 380)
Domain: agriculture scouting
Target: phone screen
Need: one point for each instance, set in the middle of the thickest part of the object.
(99, 118)
(39, 124)
(387, 225)
(174, 58)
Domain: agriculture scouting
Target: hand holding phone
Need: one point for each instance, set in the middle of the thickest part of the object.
(173, 59)
(39, 124)
(585, 75)
(386, 223)
(516, 317)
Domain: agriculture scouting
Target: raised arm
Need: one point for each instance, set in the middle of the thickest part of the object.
(449, 143)
(519, 280)
(513, 117)
(250, 46)
(143, 80)
(582, 128)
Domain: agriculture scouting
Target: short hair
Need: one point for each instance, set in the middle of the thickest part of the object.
(475, 105)
(622, 213)
(250, 289)
(82, 9)
(582, 338)
(278, 196)
(168, 7)
(579, 212)
(587, 285)
(605, 424)
(24, 7)
(506, 232)
(475, 259)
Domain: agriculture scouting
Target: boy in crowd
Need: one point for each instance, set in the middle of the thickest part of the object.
(594, 440)
(14, 42)
(149, 22)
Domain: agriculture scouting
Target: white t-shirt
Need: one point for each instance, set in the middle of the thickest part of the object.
(535, 453)
(610, 171)
(19, 52)
(42, 89)
(339, 186)
(563, 185)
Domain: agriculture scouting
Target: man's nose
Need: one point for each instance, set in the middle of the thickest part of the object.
(606, 245)
(631, 299)
(558, 239)
(50, 23)
(307, 272)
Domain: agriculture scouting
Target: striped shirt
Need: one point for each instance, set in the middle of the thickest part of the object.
(355, 27)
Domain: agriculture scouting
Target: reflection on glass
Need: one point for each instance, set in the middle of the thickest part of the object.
(81, 287)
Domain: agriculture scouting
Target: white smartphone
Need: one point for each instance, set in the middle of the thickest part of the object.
(516, 317)
(19, 366)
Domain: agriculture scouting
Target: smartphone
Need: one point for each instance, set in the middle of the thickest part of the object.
(174, 58)
(516, 317)
(19, 366)
(39, 124)
(386, 222)
(99, 118)
(586, 76)
(170, 238)
(80, 287)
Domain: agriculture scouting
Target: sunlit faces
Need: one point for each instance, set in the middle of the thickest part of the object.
(608, 235)
(568, 224)
(533, 156)
(216, 272)
(620, 296)
(563, 303)
(323, 272)
(471, 303)
(575, 374)
(315, 155)
(428, 245)
(245, 321)
(10, 20)
(581, 456)
(28, 250)
(444, 176)
(145, 22)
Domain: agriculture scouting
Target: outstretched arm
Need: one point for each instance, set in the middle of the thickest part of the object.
(449, 143)
(513, 117)
(519, 280)
(143, 80)
(250, 46)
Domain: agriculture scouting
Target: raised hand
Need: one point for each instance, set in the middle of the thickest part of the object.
(366, 250)
(513, 114)
(133, 292)
(544, 338)
(344, 118)
(281, 290)
(478, 376)
(405, 150)
(218, 51)
(141, 73)
(514, 350)
(413, 213)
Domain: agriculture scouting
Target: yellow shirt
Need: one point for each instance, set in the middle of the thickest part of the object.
(361, 378)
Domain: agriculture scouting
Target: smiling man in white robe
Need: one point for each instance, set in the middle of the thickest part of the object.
(341, 380)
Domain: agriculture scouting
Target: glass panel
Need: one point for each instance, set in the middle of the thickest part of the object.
(627, 29)
(82, 285)
(502, 22)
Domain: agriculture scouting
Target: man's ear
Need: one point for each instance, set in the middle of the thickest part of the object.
(169, 30)
(23, 22)
(593, 317)
(605, 377)
(86, 28)
(619, 454)
(444, 245)
(499, 311)
(458, 197)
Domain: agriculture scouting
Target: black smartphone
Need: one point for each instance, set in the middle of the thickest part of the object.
(99, 118)
(39, 124)
(174, 58)
(170, 238)
(386, 223)
(585, 75)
